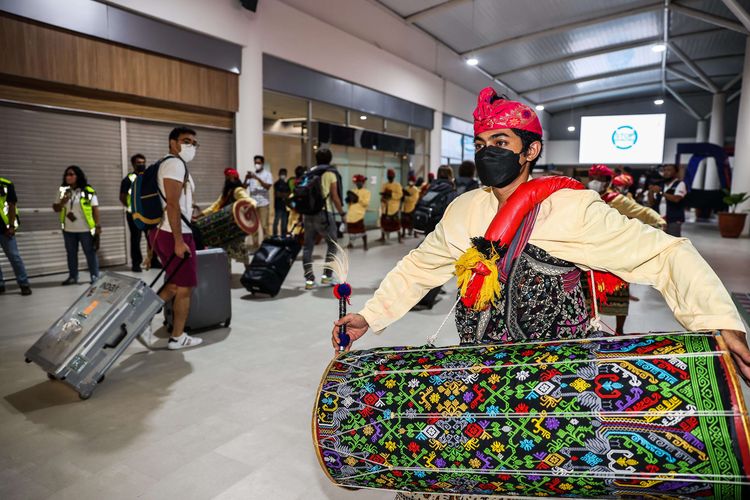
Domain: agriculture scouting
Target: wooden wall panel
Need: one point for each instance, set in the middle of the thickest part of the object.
(57, 99)
(42, 53)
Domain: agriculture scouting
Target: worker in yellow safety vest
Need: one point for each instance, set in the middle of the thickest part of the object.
(78, 207)
(9, 223)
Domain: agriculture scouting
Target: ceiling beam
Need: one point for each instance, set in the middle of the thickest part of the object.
(683, 76)
(643, 42)
(693, 67)
(594, 92)
(739, 12)
(682, 102)
(709, 18)
(592, 78)
(413, 18)
(563, 28)
(731, 83)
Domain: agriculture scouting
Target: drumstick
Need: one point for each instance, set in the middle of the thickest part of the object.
(342, 292)
(339, 265)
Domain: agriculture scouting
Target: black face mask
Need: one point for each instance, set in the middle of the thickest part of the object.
(139, 168)
(497, 167)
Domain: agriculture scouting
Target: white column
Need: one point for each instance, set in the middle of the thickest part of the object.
(249, 118)
(436, 144)
(715, 136)
(701, 135)
(741, 171)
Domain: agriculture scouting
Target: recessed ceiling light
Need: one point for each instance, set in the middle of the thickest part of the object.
(472, 61)
(363, 117)
(539, 107)
(571, 129)
(659, 102)
(659, 47)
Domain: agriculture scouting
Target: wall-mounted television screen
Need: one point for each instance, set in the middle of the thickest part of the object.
(622, 139)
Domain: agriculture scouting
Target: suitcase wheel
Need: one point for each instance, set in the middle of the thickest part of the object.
(27, 360)
(100, 379)
(228, 322)
(51, 377)
(83, 397)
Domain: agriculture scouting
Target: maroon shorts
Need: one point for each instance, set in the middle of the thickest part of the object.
(162, 243)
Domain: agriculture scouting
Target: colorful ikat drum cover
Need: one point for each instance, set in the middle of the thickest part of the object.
(635, 416)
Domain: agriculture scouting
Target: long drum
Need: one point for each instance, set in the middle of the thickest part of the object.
(634, 415)
(228, 224)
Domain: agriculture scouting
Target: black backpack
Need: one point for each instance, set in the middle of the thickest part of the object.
(307, 196)
(431, 207)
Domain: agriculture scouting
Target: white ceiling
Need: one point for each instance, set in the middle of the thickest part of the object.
(565, 53)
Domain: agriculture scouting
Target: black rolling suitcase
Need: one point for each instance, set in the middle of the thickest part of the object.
(270, 265)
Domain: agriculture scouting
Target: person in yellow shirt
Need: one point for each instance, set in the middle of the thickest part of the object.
(617, 303)
(540, 237)
(390, 201)
(411, 197)
(358, 200)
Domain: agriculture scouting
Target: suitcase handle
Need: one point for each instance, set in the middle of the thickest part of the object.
(119, 339)
(163, 269)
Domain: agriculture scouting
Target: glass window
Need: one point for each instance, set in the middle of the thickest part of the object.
(328, 113)
(366, 121)
(421, 140)
(452, 146)
(393, 127)
(283, 114)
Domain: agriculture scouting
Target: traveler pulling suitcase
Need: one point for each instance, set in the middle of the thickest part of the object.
(211, 300)
(85, 341)
(270, 265)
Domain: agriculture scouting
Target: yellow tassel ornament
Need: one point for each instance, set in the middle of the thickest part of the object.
(478, 279)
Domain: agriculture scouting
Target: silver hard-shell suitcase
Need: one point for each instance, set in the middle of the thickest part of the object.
(83, 343)
(211, 300)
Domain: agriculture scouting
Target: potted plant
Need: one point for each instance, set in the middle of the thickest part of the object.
(731, 222)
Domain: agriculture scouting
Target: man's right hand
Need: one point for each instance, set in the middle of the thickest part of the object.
(356, 327)
(181, 250)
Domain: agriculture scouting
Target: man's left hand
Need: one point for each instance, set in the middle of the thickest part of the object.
(98, 230)
(10, 232)
(737, 345)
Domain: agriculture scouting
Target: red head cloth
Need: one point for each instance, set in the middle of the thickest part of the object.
(412, 178)
(359, 178)
(493, 113)
(431, 176)
(231, 172)
(391, 173)
(622, 181)
(601, 170)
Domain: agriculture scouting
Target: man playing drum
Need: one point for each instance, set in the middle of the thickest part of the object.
(563, 229)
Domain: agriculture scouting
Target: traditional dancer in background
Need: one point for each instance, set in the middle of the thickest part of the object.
(390, 200)
(358, 200)
(612, 293)
(550, 229)
(411, 197)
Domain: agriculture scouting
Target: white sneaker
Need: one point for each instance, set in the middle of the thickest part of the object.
(183, 341)
(309, 285)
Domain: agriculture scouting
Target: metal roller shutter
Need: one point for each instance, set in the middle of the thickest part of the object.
(216, 152)
(37, 145)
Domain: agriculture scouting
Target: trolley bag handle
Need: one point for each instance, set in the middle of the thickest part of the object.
(164, 268)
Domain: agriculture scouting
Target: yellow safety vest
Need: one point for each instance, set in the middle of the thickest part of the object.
(131, 176)
(4, 207)
(86, 208)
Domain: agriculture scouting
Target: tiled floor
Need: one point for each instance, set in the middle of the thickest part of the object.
(228, 420)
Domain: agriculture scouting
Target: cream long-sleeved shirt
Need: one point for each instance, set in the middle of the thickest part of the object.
(634, 210)
(577, 226)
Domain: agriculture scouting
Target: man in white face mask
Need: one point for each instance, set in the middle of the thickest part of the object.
(258, 184)
(173, 236)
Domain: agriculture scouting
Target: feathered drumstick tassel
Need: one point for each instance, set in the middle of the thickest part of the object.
(477, 273)
(340, 267)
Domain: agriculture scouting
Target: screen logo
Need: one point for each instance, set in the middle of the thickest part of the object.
(624, 137)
